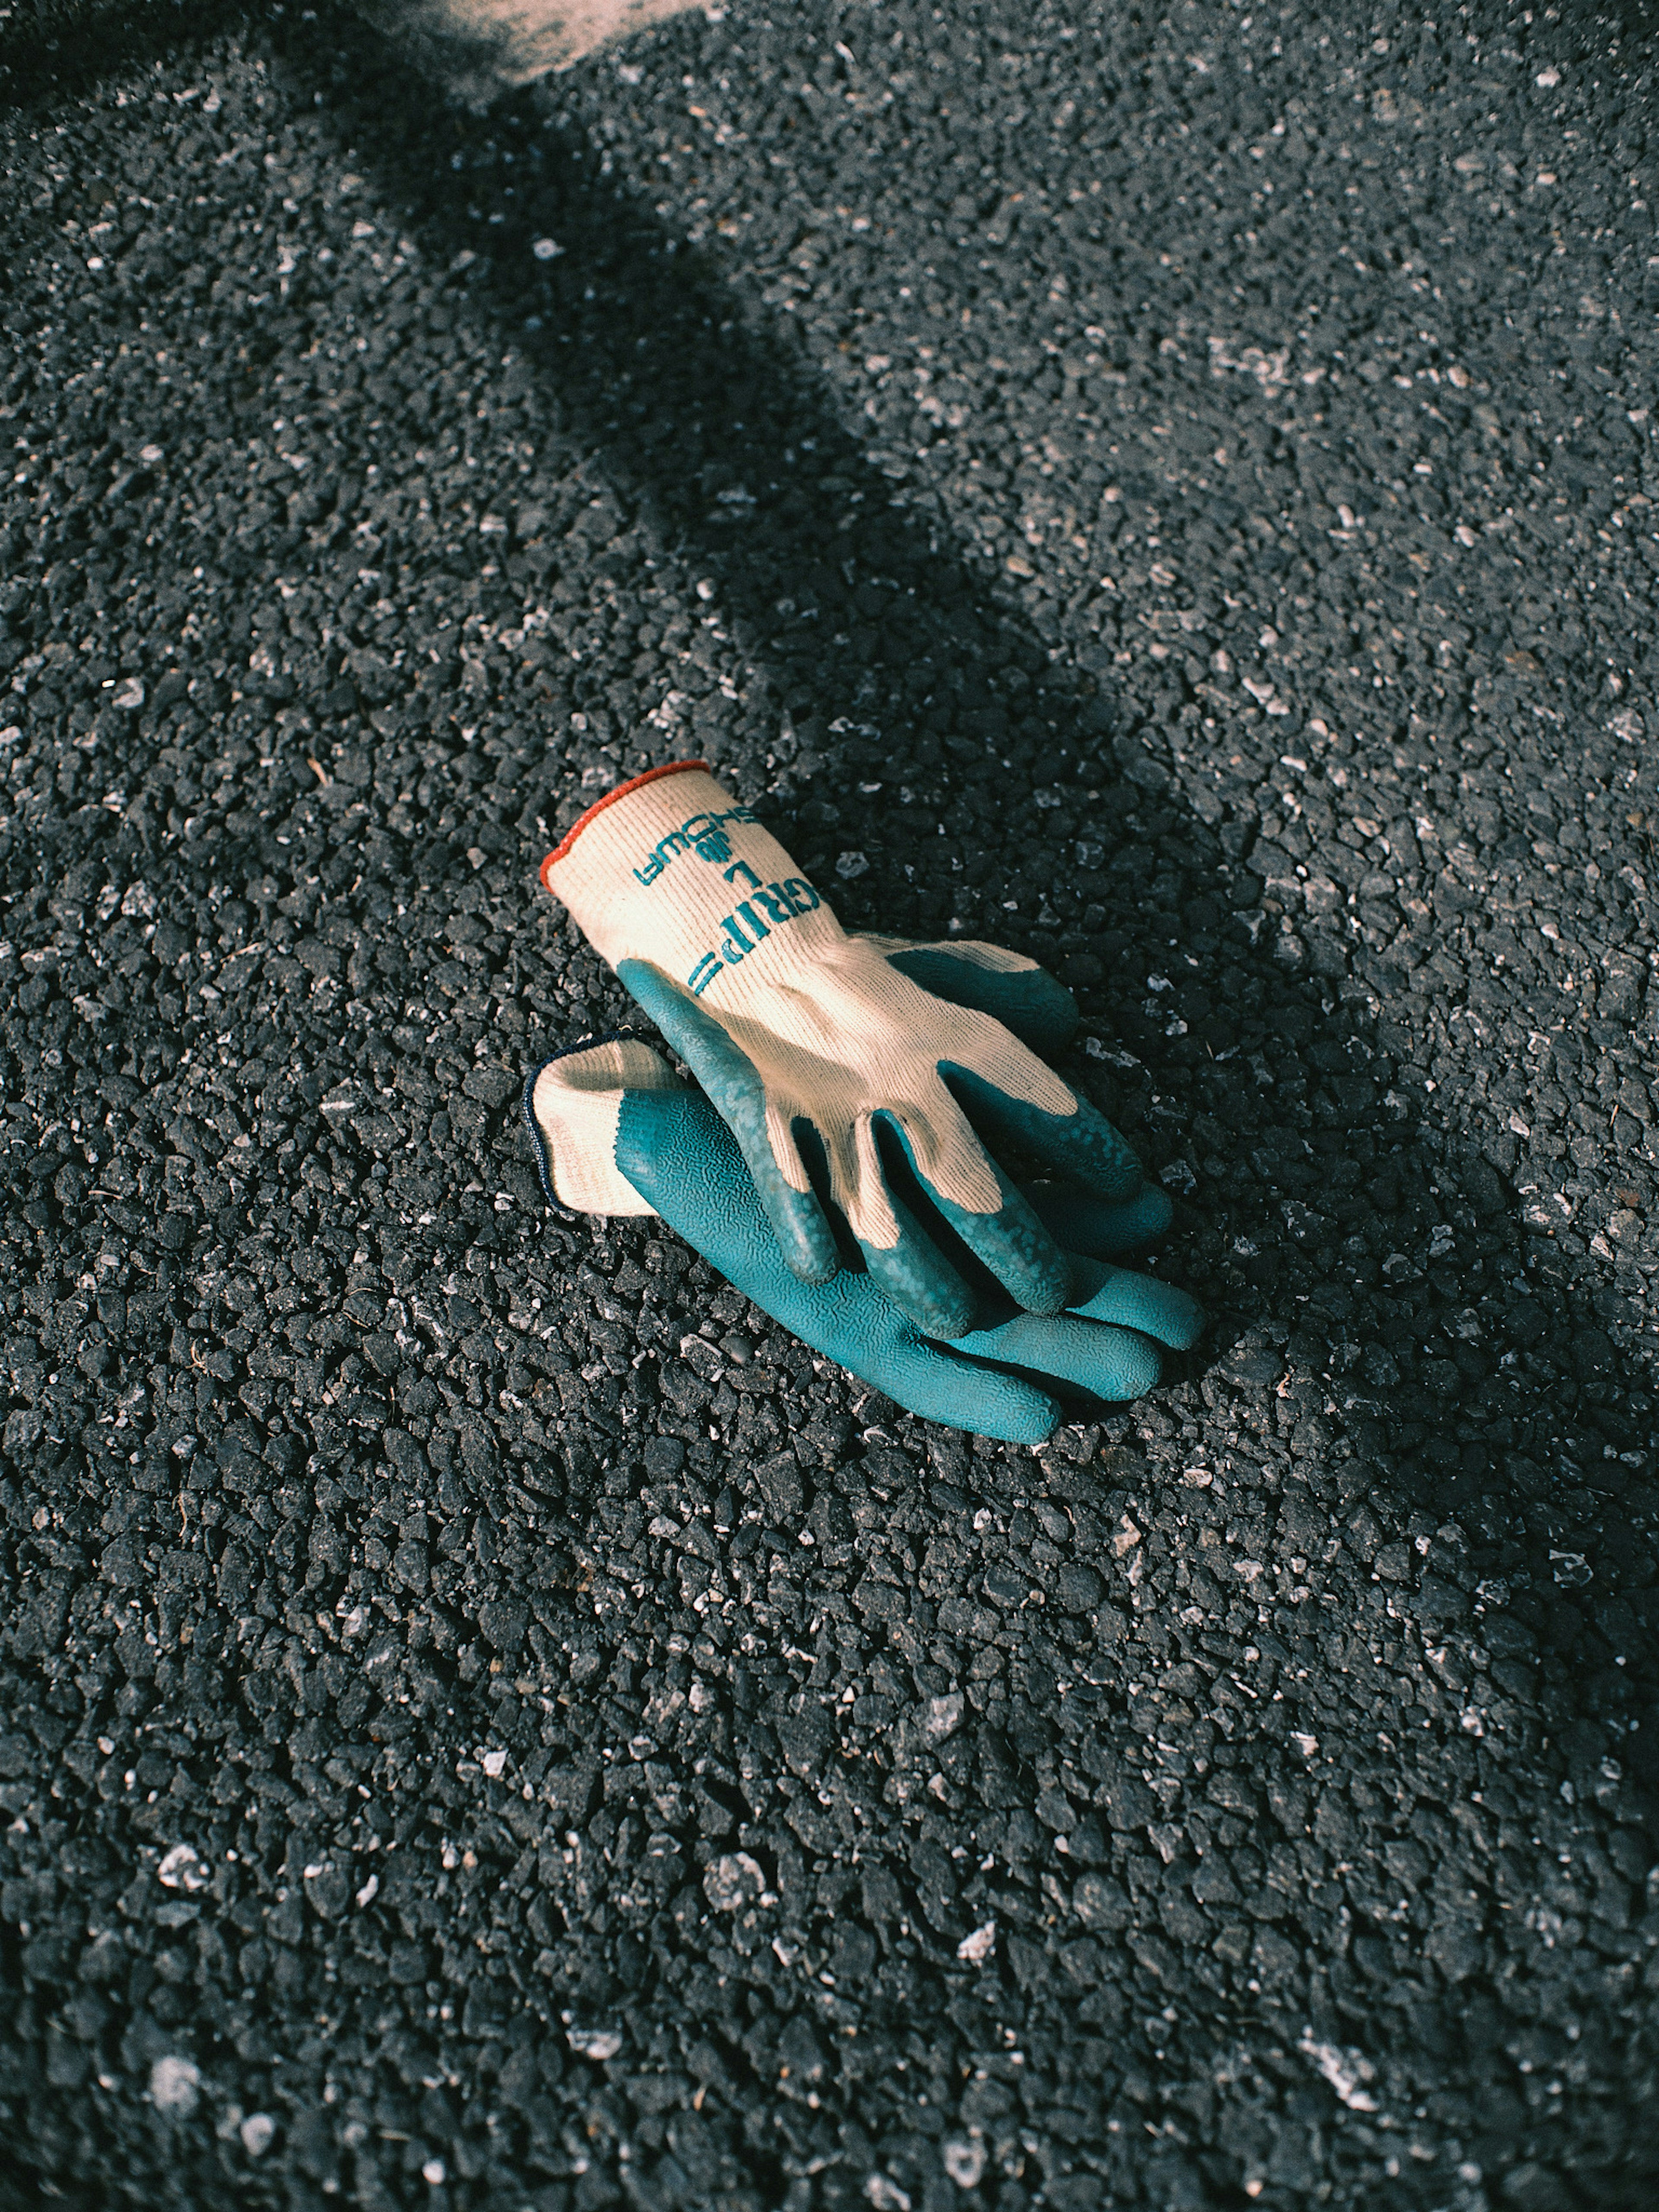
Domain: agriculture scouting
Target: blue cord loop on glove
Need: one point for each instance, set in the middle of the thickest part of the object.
(538, 1140)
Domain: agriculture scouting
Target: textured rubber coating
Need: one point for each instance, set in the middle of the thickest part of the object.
(1083, 1144)
(680, 1156)
(1011, 1242)
(1131, 1300)
(734, 1082)
(678, 1153)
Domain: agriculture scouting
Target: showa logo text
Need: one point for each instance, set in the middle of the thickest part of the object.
(701, 834)
(754, 917)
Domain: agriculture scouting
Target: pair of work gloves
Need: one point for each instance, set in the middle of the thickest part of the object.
(838, 1166)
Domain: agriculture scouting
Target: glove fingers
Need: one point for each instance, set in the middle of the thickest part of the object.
(1083, 1224)
(1025, 997)
(929, 1381)
(912, 1270)
(919, 1279)
(1092, 1356)
(681, 1157)
(1129, 1300)
(1083, 1146)
(1011, 1244)
(734, 1084)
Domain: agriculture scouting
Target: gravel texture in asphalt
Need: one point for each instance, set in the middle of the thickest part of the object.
(488, 1721)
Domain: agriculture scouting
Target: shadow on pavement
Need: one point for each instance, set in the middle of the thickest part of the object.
(710, 416)
(1449, 1362)
(59, 49)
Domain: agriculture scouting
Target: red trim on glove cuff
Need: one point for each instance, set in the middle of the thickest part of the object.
(634, 783)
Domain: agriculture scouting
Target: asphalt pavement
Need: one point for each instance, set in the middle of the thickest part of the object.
(486, 1720)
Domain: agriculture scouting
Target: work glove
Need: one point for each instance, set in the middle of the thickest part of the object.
(616, 1132)
(857, 1074)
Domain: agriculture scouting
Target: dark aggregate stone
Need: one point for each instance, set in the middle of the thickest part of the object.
(426, 1743)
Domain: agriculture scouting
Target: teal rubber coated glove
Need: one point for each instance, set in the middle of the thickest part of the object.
(616, 1132)
(872, 1087)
